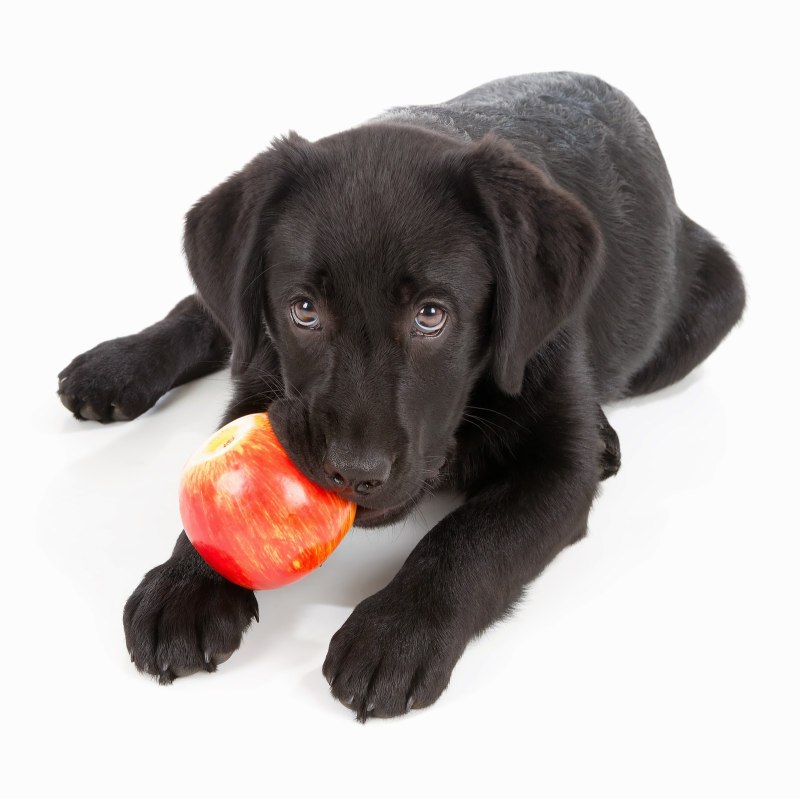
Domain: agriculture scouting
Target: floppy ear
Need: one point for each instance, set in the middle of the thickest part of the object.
(544, 247)
(226, 240)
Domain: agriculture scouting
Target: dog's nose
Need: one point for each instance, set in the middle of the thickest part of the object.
(363, 473)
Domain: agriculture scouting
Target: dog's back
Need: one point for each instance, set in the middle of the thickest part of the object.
(663, 273)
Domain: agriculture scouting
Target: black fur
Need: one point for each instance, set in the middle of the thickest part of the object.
(538, 212)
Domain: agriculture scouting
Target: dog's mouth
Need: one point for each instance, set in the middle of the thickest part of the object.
(377, 517)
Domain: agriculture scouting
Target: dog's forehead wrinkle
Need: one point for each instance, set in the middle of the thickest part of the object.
(362, 290)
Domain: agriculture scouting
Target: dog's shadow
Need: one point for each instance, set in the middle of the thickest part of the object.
(312, 609)
(112, 514)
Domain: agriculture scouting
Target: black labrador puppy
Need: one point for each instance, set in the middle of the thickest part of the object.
(445, 295)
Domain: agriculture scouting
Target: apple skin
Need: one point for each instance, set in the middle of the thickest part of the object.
(251, 514)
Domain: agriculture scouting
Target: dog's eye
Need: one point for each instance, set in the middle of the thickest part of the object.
(304, 314)
(429, 321)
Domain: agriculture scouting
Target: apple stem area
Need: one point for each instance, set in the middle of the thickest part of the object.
(221, 441)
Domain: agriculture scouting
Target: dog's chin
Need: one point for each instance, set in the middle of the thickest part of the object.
(378, 517)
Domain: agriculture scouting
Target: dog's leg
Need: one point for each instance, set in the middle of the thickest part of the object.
(120, 379)
(610, 454)
(184, 617)
(713, 303)
(399, 646)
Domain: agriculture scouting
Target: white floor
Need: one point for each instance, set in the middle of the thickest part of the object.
(656, 658)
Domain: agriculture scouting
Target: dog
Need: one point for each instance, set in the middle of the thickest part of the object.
(446, 295)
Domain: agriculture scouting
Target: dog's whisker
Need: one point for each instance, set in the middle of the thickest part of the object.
(496, 412)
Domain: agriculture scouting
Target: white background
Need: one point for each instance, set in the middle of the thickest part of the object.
(656, 658)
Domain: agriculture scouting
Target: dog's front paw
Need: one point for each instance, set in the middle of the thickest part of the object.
(115, 381)
(391, 656)
(178, 622)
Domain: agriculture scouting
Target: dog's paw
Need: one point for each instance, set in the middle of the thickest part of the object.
(178, 622)
(115, 381)
(389, 657)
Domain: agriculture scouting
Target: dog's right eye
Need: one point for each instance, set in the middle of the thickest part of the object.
(304, 314)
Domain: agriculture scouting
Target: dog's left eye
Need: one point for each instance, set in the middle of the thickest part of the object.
(304, 314)
(429, 321)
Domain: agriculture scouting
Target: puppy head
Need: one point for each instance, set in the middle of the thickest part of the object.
(385, 270)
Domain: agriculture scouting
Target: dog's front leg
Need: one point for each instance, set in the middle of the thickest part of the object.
(399, 646)
(183, 617)
(120, 379)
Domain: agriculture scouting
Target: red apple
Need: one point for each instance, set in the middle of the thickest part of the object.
(251, 514)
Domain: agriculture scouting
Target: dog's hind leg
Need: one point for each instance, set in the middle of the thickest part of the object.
(610, 454)
(713, 303)
(120, 379)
